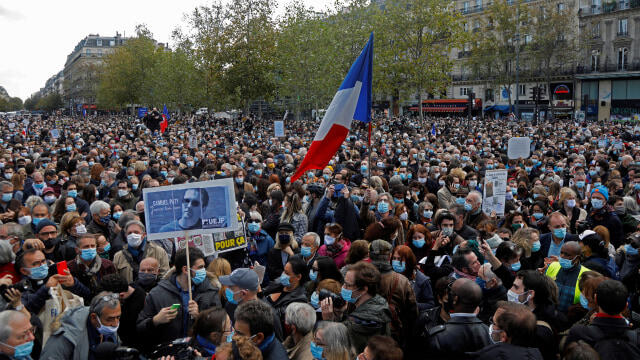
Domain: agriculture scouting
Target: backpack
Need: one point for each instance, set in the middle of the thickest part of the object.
(618, 347)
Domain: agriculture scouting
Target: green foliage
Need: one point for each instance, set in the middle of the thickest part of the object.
(50, 102)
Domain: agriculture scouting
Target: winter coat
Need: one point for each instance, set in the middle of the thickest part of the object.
(338, 257)
(301, 350)
(127, 267)
(280, 306)
(127, 202)
(372, 317)
(460, 335)
(423, 291)
(165, 294)
(401, 299)
(71, 340)
(507, 351)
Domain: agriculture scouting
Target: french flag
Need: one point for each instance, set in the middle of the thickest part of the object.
(165, 119)
(351, 102)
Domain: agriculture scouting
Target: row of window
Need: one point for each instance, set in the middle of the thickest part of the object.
(111, 42)
(489, 95)
(623, 29)
(622, 60)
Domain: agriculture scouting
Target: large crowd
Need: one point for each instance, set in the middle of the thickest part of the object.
(384, 254)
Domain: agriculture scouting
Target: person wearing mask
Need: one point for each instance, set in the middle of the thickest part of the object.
(210, 330)
(381, 347)
(331, 341)
(473, 208)
(603, 214)
(309, 246)
(609, 332)
(284, 249)
(397, 289)
(569, 208)
(47, 233)
(449, 186)
(83, 328)
(300, 318)
(101, 222)
(158, 319)
(131, 303)
(17, 335)
(259, 242)
(242, 286)
(566, 272)
(404, 262)
(464, 332)
(125, 198)
(149, 274)
(462, 229)
(506, 261)
(551, 243)
(292, 213)
(39, 212)
(82, 207)
(512, 331)
(127, 261)
(89, 268)
(322, 268)
(289, 287)
(369, 313)
(335, 245)
(254, 320)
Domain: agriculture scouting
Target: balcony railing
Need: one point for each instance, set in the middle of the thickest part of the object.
(607, 68)
(609, 7)
(623, 33)
(472, 9)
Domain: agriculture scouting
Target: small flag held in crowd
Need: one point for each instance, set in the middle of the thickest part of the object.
(165, 119)
(433, 129)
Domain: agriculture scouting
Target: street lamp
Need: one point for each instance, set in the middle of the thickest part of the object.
(517, 39)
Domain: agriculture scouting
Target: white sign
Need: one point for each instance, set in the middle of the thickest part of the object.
(55, 133)
(278, 128)
(495, 188)
(519, 147)
(193, 141)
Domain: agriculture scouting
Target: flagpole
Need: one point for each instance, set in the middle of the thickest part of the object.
(369, 155)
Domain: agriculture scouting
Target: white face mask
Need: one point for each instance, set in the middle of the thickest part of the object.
(134, 240)
(81, 229)
(24, 220)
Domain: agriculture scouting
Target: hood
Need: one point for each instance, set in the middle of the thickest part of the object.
(73, 323)
(375, 309)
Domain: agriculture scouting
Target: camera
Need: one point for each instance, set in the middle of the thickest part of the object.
(338, 301)
(179, 349)
(22, 287)
(337, 189)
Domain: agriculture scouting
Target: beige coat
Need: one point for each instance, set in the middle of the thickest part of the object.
(151, 250)
(301, 350)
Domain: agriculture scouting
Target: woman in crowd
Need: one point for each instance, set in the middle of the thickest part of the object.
(403, 261)
(335, 245)
(289, 287)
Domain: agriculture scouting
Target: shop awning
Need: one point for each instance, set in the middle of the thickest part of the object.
(500, 108)
(440, 108)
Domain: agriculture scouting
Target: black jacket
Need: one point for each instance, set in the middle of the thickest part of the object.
(460, 335)
(600, 327)
(165, 294)
(275, 351)
(507, 351)
(131, 307)
(280, 306)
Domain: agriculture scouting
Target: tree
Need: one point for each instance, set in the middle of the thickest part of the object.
(416, 39)
(493, 48)
(50, 103)
(554, 42)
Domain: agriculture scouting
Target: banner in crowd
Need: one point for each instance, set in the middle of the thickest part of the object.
(495, 188)
(142, 111)
(211, 244)
(278, 128)
(519, 147)
(199, 208)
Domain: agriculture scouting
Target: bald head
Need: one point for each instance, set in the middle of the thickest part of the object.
(571, 248)
(469, 295)
(149, 265)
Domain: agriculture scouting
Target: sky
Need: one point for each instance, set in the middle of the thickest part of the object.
(38, 35)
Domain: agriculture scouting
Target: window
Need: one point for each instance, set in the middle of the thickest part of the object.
(476, 26)
(488, 95)
(88, 52)
(560, 7)
(622, 27)
(522, 90)
(465, 6)
(99, 42)
(622, 58)
(527, 39)
(595, 30)
(112, 43)
(465, 91)
(595, 60)
(465, 26)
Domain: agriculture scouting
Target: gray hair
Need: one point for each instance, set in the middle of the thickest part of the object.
(134, 222)
(477, 194)
(336, 339)
(98, 304)
(112, 175)
(14, 230)
(33, 201)
(6, 318)
(316, 237)
(5, 183)
(127, 215)
(302, 315)
(6, 253)
(97, 206)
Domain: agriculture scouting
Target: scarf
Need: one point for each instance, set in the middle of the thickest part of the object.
(334, 249)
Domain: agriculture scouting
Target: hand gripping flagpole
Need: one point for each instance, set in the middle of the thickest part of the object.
(187, 238)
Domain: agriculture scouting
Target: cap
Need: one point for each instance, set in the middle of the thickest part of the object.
(243, 278)
(379, 249)
(285, 226)
(602, 190)
(48, 190)
(43, 223)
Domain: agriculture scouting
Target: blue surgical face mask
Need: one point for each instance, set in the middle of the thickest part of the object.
(285, 280)
(584, 302)
(230, 337)
(383, 207)
(560, 233)
(565, 263)
(229, 295)
(398, 266)
(467, 206)
(580, 184)
(427, 214)
(538, 215)
(88, 254)
(39, 273)
(419, 243)
(305, 251)
(597, 204)
(315, 300)
(253, 227)
(22, 350)
(313, 275)
(7, 197)
(460, 201)
(200, 275)
(316, 351)
(630, 250)
(516, 266)
(347, 295)
(71, 207)
(536, 246)
(72, 193)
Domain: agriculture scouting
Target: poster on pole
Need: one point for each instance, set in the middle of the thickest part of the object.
(54, 133)
(519, 147)
(199, 208)
(495, 188)
(193, 141)
(278, 128)
(217, 243)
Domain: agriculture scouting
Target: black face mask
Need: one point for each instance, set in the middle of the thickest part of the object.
(51, 243)
(147, 280)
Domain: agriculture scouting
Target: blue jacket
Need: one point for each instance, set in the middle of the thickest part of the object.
(263, 243)
(545, 242)
(424, 293)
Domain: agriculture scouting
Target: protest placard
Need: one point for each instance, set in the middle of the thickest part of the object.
(55, 133)
(211, 244)
(495, 188)
(278, 128)
(193, 141)
(199, 208)
(519, 147)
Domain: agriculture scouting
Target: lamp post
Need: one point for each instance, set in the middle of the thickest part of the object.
(517, 40)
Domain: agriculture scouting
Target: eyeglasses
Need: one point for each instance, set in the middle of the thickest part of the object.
(25, 335)
(108, 298)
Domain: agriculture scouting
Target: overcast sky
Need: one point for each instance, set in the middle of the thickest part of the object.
(38, 35)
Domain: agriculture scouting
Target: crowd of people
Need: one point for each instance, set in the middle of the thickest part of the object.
(384, 254)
